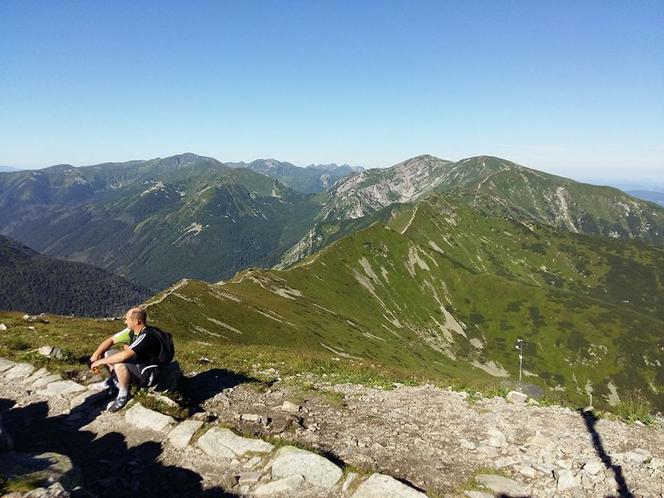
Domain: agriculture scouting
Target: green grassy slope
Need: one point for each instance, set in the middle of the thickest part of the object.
(443, 288)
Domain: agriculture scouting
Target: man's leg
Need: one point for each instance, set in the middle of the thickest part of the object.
(124, 378)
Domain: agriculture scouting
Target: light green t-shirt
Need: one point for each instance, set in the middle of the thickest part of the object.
(125, 336)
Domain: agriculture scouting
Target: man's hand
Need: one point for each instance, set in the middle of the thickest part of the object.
(94, 357)
(94, 366)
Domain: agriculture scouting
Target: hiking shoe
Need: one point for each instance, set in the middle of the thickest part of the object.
(104, 384)
(118, 404)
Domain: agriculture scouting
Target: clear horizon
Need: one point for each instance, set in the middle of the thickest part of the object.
(571, 89)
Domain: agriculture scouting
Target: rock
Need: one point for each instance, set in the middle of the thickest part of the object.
(637, 456)
(19, 371)
(282, 487)
(527, 471)
(502, 485)
(3, 327)
(516, 397)
(656, 463)
(61, 388)
(382, 486)
(348, 482)
(143, 418)
(250, 417)
(315, 469)
(46, 380)
(6, 364)
(593, 467)
(224, 443)
(496, 438)
(42, 318)
(478, 494)
(248, 477)
(252, 462)
(182, 434)
(45, 350)
(290, 407)
(42, 372)
(566, 480)
(565, 464)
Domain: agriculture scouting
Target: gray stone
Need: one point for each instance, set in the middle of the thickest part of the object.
(182, 434)
(252, 462)
(143, 418)
(527, 471)
(61, 388)
(593, 467)
(44, 381)
(3, 326)
(46, 350)
(19, 371)
(250, 417)
(348, 482)
(565, 464)
(566, 480)
(290, 407)
(502, 485)
(382, 486)
(516, 397)
(248, 477)
(656, 463)
(6, 364)
(315, 469)
(89, 396)
(42, 372)
(496, 438)
(478, 494)
(224, 443)
(637, 456)
(283, 487)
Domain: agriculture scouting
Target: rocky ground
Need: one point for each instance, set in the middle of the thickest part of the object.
(431, 440)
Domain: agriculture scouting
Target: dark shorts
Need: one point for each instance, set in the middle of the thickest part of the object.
(143, 375)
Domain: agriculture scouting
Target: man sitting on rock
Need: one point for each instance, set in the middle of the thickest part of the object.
(137, 363)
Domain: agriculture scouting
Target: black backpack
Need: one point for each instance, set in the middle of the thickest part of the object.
(166, 346)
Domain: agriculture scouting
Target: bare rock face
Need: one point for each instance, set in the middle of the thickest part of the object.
(315, 469)
(382, 486)
(224, 443)
(143, 418)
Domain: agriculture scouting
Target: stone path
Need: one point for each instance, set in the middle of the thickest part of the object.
(58, 412)
(401, 442)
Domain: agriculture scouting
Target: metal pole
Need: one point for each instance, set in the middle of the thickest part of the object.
(519, 346)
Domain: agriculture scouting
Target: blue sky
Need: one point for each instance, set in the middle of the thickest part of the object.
(573, 88)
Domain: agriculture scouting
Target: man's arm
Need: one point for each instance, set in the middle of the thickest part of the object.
(119, 357)
(102, 348)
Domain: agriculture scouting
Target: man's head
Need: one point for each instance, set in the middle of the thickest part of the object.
(136, 319)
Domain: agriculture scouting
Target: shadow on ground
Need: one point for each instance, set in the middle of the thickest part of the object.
(590, 420)
(205, 385)
(109, 467)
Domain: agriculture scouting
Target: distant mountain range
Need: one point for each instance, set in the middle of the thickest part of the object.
(157, 221)
(648, 195)
(312, 179)
(35, 283)
(5, 169)
(443, 290)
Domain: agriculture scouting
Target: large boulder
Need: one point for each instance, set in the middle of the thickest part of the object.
(143, 418)
(382, 486)
(224, 443)
(316, 470)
